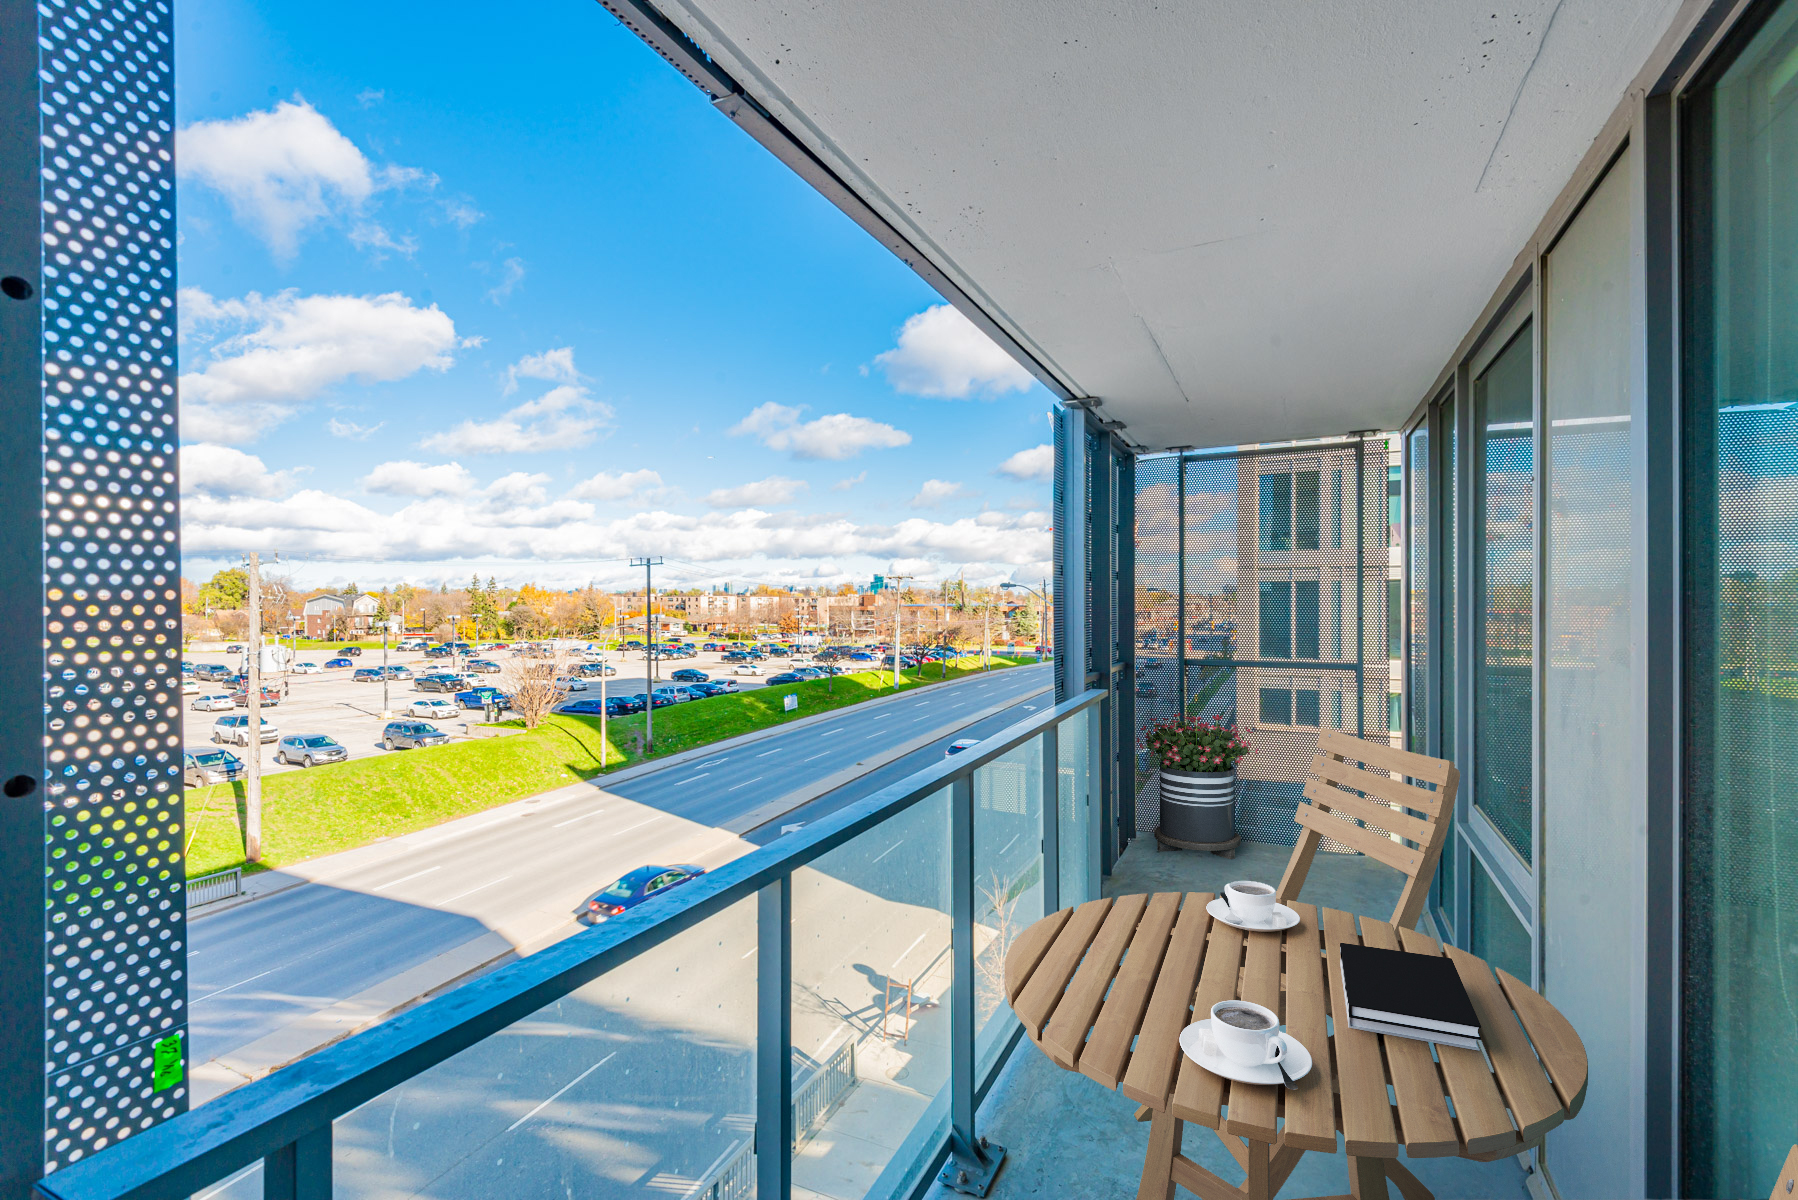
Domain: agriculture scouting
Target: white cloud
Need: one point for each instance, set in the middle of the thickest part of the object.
(843, 485)
(407, 478)
(624, 485)
(284, 170)
(288, 348)
(563, 418)
(222, 471)
(1036, 464)
(942, 353)
(351, 431)
(556, 366)
(511, 275)
(834, 437)
(763, 493)
(461, 212)
(370, 96)
(935, 491)
(367, 235)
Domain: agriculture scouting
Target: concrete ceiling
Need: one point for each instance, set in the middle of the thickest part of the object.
(1230, 220)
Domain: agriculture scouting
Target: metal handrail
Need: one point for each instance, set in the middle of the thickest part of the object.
(271, 1115)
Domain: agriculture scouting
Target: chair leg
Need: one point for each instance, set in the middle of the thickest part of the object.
(1298, 866)
(1158, 1166)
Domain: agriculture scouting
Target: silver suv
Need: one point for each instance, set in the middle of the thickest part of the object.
(236, 729)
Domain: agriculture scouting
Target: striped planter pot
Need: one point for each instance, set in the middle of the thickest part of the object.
(1198, 806)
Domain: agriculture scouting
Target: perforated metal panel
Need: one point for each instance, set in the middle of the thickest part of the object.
(115, 924)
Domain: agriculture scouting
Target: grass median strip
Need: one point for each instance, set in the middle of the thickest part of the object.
(321, 810)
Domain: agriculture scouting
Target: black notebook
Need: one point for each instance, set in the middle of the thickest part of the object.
(1418, 992)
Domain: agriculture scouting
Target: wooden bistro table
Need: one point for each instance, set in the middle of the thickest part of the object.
(1106, 988)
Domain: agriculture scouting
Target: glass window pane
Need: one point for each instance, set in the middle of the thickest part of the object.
(1008, 882)
(1305, 704)
(1304, 629)
(647, 1073)
(1506, 477)
(1495, 933)
(1276, 619)
(872, 971)
(1740, 908)
(1417, 570)
(1305, 514)
(1276, 511)
(1070, 746)
(1276, 706)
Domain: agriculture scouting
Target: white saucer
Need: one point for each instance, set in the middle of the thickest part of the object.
(1196, 1043)
(1284, 918)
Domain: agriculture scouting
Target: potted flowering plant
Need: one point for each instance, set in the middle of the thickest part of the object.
(1197, 764)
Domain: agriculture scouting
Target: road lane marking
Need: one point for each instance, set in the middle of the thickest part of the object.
(471, 891)
(888, 851)
(766, 753)
(638, 825)
(596, 1066)
(828, 732)
(806, 760)
(910, 948)
(406, 878)
(582, 817)
(733, 787)
(239, 983)
(712, 762)
(693, 778)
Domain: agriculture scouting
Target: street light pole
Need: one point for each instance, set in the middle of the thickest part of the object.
(649, 650)
(1041, 628)
(898, 618)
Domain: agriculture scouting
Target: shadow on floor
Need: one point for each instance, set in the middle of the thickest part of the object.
(1069, 1138)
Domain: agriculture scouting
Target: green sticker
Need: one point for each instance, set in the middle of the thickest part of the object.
(167, 1072)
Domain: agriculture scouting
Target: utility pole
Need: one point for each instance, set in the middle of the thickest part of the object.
(253, 717)
(649, 650)
(895, 582)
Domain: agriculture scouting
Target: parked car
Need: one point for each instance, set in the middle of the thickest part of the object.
(595, 670)
(621, 706)
(861, 656)
(334, 663)
(305, 668)
(679, 695)
(396, 671)
(784, 677)
(711, 646)
(310, 749)
(689, 675)
(412, 735)
(745, 668)
(439, 681)
(190, 687)
(241, 697)
(212, 672)
(571, 683)
(633, 889)
(483, 666)
(436, 710)
(214, 702)
(367, 675)
(661, 701)
(351, 651)
(414, 644)
(438, 652)
(587, 707)
(210, 766)
(713, 688)
(236, 728)
(958, 746)
(480, 697)
(234, 648)
(809, 673)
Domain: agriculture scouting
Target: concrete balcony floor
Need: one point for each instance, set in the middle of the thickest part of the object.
(1068, 1138)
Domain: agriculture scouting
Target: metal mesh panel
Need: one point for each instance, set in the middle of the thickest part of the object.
(1418, 571)
(1505, 476)
(1280, 563)
(115, 915)
(1059, 534)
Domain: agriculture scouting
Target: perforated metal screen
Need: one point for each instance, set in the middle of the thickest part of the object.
(1272, 568)
(115, 922)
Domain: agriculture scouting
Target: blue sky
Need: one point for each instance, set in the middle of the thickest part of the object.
(465, 289)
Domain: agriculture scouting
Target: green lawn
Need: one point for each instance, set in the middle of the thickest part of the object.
(325, 809)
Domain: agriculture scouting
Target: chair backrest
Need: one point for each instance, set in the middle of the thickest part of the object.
(1355, 784)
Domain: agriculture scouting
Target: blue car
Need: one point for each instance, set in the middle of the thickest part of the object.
(632, 890)
(482, 696)
(340, 662)
(585, 708)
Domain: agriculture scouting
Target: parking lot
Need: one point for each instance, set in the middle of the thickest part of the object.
(331, 704)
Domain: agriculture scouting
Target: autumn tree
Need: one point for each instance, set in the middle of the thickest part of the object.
(225, 591)
(788, 625)
(537, 686)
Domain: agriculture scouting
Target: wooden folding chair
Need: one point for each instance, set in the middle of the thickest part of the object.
(1354, 784)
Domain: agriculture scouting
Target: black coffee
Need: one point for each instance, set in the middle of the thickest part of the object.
(1244, 1018)
(1251, 889)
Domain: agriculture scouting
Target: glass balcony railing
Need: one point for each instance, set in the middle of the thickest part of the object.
(821, 1017)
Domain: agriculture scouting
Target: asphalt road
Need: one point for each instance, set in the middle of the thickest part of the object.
(522, 869)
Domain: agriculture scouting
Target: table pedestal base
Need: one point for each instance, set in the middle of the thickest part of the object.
(1266, 1167)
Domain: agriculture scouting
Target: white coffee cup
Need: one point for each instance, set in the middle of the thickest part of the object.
(1251, 901)
(1251, 1047)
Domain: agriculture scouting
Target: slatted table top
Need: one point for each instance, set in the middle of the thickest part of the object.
(1106, 988)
